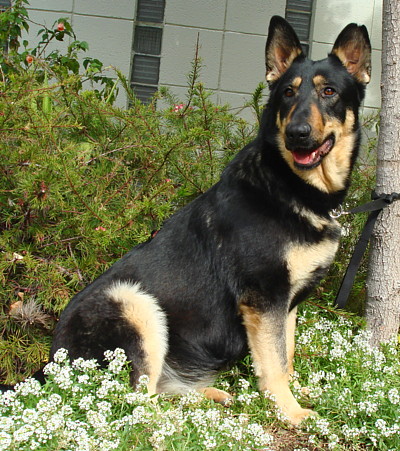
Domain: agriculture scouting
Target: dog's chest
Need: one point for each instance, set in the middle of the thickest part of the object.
(308, 261)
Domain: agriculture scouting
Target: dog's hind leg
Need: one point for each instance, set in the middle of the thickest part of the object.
(267, 334)
(142, 311)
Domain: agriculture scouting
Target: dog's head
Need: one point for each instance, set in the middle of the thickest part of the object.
(315, 103)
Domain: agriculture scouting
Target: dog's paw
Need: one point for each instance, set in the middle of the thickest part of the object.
(297, 417)
(219, 396)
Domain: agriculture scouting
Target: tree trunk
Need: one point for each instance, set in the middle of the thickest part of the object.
(383, 283)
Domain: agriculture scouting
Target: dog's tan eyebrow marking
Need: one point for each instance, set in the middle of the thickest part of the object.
(296, 83)
(319, 81)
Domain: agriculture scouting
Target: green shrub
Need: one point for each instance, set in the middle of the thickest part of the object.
(83, 181)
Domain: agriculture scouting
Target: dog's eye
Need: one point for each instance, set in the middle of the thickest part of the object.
(289, 92)
(328, 92)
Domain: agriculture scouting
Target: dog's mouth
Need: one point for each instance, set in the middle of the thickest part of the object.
(311, 158)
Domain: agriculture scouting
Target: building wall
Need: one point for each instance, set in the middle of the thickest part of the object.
(231, 34)
(232, 37)
(107, 27)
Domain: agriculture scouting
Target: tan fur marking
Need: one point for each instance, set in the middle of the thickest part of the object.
(282, 124)
(315, 220)
(143, 312)
(219, 396)
(303, 259)
(290, 339)
(319, 82)
(296, 83)
(265, 340)
(331, 175)
(317, 123)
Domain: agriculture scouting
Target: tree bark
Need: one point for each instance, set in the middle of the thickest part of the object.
(383, 282)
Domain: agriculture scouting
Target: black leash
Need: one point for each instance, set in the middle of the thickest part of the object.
(379, 202)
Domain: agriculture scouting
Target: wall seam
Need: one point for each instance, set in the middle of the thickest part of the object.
(221, 60)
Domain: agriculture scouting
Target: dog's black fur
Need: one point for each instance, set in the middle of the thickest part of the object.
(226, 272)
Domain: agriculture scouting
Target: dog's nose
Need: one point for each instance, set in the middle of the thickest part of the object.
(297, 133)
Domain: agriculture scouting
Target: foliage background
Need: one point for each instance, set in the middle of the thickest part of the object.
(83, 181)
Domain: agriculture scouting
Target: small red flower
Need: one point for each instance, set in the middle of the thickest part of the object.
(178, 108)
(29, 59)
(60, 26)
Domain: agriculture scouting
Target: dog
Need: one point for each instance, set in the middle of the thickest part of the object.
(226, 272)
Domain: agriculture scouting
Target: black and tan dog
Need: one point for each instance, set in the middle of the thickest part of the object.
(226, 272)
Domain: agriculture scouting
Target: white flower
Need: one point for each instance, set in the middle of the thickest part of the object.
(190, 398)
(66, 410)
(393, 396)
(117, 360)
(143, 381)
(104, 407)
(380, 424)
(166, 429)
(9, 399)
(55, 399)
(85, 365)
(140, 415)
(97, 420)
(29, 387)
(107, 387)
(83, 379)
(333, 441)
(5, 441)
(61, 356)
(225, 385)
(50, 405)
(209, 441)
(64, 378)
(212, 415)
(247, 398)
(23, 433)
(261, 438)
(6, 424)
(136, 398)
(244, 384)
(368, 407)
(55, 422)
(86, 402)
(322, 425)
(30, 416)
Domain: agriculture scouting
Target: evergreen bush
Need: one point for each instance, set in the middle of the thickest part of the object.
(83, 181)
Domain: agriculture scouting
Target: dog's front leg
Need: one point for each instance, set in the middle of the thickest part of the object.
(290, 343)
(268, 334)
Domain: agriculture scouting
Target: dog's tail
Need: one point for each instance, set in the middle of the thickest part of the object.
(39, 376)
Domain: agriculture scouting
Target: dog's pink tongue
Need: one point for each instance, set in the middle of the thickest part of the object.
(303, 158)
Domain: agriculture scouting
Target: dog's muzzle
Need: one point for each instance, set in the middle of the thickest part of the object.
(309, 158)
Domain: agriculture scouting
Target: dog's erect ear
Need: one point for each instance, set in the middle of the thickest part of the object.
(353, 48)
(283, 46)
